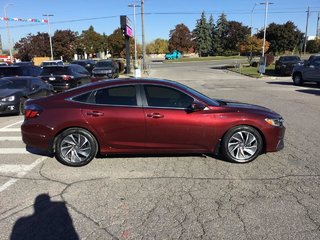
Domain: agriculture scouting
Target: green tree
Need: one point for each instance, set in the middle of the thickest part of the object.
(158, 46)
(222, 33)
(180, 38)
(283, 37)
(313, 46)
(33, 46)
(63, 42)
(91, 41)
(202, 36)
(236, 33)
(213, 37)
(116, 43)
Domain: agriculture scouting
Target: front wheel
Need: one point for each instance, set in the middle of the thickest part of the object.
(297, 79)
(242, 144)
(75, 147)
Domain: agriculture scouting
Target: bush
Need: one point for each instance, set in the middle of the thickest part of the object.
(254, 64)
(269, 59)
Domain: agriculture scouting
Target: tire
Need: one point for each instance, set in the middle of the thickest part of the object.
(75, 147)
(242, 144)
(21, 106)
(297, 79)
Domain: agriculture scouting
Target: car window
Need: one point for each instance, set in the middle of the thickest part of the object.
(55, 71)
(316, 62)
(158, 96)
(124, 96)
(104, 64)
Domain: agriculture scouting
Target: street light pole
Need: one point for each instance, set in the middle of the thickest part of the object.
(134, 29)
(251, 33)
(266, 3)
(7, 28)
(142, 30)
(50, 40)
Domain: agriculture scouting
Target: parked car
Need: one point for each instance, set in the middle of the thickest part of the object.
(22, 70)
(148, 116)
(285, 64)
(52, 63)
(66, 76)
(307, 72)
(22, 63)
(174, 55)
(14, 91)
(105, 69)
(87, 64)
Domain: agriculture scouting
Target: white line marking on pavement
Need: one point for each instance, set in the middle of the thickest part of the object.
(10, 129)
(10, 138)
(13, 151)
(25, 170)
(12, 124)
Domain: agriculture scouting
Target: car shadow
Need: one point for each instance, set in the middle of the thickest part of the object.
(309, 91)
(290, 83)
(39, 152)
(50, 220)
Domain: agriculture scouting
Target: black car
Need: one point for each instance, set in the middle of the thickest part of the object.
(106, 69)
(15, 90)
(66, 76)
(20, 70)
(87, 64)
(285, 64)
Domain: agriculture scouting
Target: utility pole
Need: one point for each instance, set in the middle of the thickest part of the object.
(143, 43)
(317, 35)
(134, 29)
(50, 39)
(7, 28)
(266, 3)
(251, 32)
(306, 35)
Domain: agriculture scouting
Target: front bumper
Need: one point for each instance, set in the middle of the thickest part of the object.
(9, 107)
(275, 139)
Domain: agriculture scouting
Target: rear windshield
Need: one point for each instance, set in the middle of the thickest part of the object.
(10, 71)
(293, 58)
(104, 64)
(13, 84)
(55, 71)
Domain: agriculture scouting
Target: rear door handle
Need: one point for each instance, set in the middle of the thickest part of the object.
(95, 114)
(155, 115)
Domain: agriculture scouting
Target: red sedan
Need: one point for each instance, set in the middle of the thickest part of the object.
(148, 116)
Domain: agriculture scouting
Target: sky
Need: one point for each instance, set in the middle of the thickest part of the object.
(160, 15)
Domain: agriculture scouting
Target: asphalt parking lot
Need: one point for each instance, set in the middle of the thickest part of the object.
(174, 197)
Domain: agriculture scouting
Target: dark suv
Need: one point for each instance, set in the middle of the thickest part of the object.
(87, 64)
(285, 64)
(21, 70)
(106, 69)
(308, 72)
(66, 76)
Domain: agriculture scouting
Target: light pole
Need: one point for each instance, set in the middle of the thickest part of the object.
(266, 3)
(134, 29)
(50, 40)
(143, 43)
(251, 18)
(7, 28)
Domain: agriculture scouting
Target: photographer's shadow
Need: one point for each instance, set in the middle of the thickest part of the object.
(51, 220)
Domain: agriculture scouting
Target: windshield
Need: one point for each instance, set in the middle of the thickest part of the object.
(10, 71)
(13, 84)
(104, 64)
(55, 71)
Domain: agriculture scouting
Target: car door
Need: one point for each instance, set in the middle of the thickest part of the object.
(117, 115)
(170, 125)
(83, 74)
(312, 71)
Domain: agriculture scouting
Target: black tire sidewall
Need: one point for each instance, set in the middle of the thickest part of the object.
(231, 132)
(83, 132)
(298, 83)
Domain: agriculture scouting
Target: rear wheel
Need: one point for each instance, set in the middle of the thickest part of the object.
(75, 147)
(21, 106)
(297, 79)
(242, 144)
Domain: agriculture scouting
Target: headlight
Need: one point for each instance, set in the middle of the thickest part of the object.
(108, 71)
(278, 122)
(8, 99)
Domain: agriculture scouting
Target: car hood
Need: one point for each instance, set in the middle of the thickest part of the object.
(245, 107)
(9, 92)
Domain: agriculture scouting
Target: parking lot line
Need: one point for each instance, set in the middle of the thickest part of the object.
(13, 151)
(10, 125)
(10, 129)
(10, 138)
(24, 171)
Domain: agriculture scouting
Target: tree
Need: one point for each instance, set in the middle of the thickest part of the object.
(283, 37)
(202, 36)
(33, 46)
(214, 40)
(236, 33)
(252, 46)
(91, 41)
(158, 46)
(313, 46)
(180, 38)
(222, 33)
(64, 44)
(116, 43)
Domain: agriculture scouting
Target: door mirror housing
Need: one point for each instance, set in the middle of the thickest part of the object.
(196, 106)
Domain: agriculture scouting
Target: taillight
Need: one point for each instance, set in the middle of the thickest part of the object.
(32, 111)
(67, 77)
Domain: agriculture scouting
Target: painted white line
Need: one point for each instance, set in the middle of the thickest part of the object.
(12, 124)
(10, 138)
(10, 129)
(13, 151)
(26, 169)
(13, 168)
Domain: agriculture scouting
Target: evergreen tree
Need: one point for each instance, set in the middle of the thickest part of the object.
(202, 36)
(222, 33)
(213, 37)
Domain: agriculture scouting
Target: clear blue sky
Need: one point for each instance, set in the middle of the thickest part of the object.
(161, 15)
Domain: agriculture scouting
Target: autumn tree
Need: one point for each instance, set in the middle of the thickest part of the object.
(158, 46)
(64, 44)
(180, 38)
(252, 46)
(235, 33)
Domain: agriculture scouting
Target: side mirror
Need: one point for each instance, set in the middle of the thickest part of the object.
(196, 106)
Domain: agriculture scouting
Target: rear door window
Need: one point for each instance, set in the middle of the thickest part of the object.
(121, 96)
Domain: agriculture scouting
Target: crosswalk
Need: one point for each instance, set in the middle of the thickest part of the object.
(11, 145)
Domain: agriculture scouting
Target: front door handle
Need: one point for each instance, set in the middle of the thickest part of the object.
(155, 115)
(95, 114)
